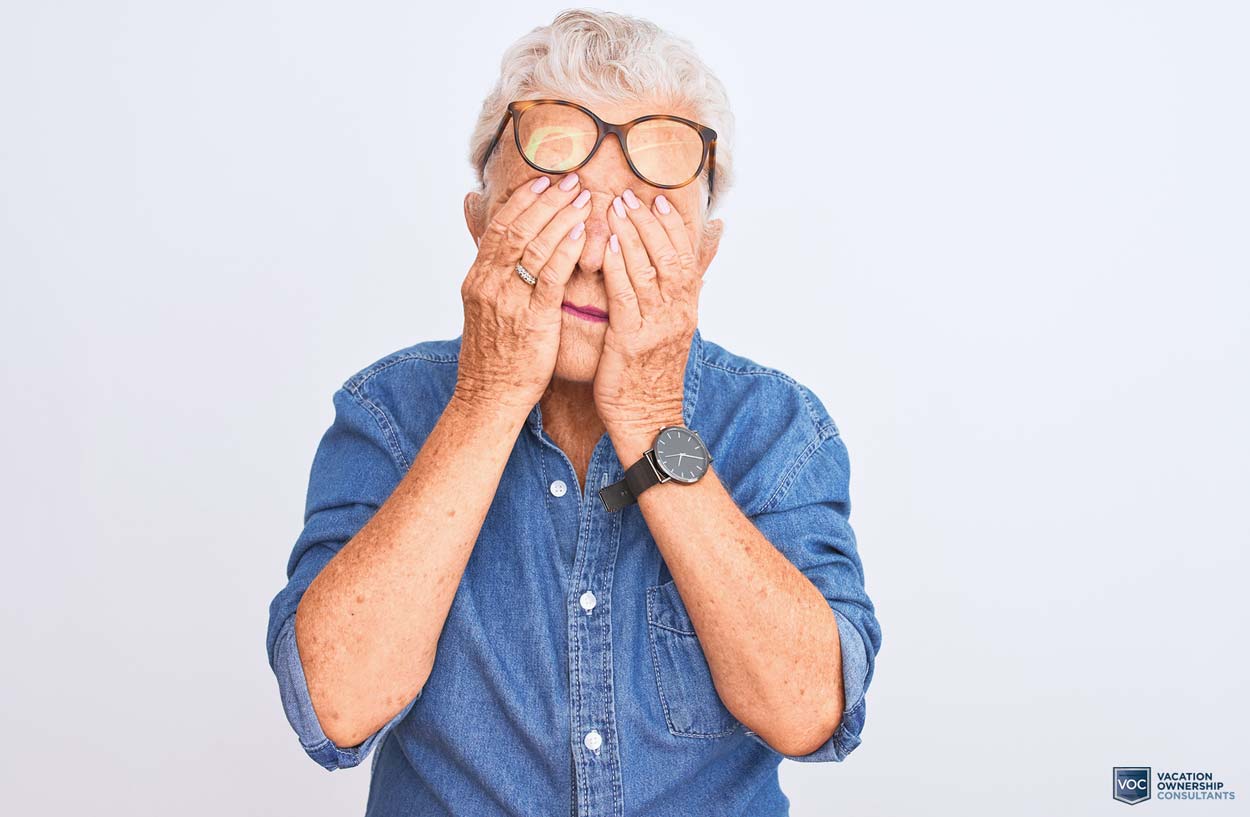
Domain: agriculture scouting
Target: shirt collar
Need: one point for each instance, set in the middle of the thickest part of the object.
(694, 368)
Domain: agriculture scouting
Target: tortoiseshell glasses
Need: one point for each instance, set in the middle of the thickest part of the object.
(557, 136)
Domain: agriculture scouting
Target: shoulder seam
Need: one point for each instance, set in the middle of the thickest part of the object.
(384, 424)
(823, 434)
(757, 370)
(817, 422)
(358, 380)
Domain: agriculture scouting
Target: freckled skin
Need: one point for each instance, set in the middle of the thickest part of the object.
(569, 414)
(367, 628)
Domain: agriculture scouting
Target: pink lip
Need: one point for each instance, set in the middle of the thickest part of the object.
(585, 312)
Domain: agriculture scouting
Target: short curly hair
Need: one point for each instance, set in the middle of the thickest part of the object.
(590, 55)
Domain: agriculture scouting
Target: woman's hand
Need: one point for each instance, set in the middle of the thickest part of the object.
(653, 283)
(511, 329)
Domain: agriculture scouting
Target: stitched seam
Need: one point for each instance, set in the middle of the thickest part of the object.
(573, 623)
(339, 757)
(823, 435)
(660, 626)
(316, 746)
(655, 661)
(816, 417)
(358, 380)
(780, 375)
(693, 397)
(863, 700)
(385, 426)
(843, 737)
(659, 589)
(607, 665)
(537, 454)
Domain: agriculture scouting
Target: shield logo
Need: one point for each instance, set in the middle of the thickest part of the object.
(1130, 784)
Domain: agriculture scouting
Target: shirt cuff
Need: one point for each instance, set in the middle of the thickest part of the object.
(297, 703)
(854, 677)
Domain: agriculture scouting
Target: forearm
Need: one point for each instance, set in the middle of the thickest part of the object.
(368, 626)
(770, 638)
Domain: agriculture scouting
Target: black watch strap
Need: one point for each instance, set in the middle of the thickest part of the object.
(638, 477)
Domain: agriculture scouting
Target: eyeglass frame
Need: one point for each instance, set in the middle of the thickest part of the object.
(517, 107)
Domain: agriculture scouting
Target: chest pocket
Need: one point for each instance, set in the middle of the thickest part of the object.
(691, 706)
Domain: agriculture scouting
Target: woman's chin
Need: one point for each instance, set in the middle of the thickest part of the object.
(578, 357)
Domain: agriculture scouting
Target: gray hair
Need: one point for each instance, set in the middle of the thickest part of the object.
(592, 55)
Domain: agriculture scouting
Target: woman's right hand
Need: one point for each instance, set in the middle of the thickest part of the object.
(512, 329)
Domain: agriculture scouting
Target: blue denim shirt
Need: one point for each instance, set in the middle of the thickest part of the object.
(568, 674)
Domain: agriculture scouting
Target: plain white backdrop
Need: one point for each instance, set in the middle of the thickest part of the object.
(1005, 243)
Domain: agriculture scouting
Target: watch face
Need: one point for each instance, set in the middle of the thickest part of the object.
(681, 454)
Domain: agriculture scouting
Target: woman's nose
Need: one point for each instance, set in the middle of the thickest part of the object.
(591, 259)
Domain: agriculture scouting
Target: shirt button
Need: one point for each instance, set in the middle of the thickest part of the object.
(587, 601)
(558, 488)
(593, 740)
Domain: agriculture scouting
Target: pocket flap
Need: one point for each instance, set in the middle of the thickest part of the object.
(666, 609)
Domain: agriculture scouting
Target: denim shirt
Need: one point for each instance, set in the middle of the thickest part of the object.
(568, 673)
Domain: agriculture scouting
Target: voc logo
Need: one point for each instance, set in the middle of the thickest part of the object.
(1130, 784)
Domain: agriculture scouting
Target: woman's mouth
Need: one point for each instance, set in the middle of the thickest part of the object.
(586, 313)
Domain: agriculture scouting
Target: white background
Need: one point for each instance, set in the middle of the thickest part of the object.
(1008, 249)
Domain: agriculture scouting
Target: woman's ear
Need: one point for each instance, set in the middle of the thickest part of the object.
(472, 202)
(710, 243)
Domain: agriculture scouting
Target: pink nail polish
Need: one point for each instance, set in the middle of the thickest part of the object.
(576, 232)
(540, 184)
(662, 205)
(618, 207)
(614, 244)
(568, 181)
(632, 200)
(581, 199)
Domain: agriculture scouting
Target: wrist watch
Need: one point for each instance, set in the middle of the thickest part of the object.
(677, 455)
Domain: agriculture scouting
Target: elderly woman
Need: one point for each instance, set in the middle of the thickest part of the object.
(580, 557)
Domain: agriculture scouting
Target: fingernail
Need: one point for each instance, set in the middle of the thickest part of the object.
(661, 204)
(581, 199)
(632, 200)
(614, 244)
(568, 182)
(540, 185)
(576, 232)
(618, 207)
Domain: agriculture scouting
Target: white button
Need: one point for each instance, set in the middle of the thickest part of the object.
(558, 488)
(593, 740)
(587, 601)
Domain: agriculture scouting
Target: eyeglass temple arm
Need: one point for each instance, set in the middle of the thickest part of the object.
(711, 171)
(503, 123)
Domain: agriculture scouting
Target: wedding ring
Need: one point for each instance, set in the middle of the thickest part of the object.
(525, 275)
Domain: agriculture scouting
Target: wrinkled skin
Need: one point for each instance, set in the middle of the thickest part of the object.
(519, 345)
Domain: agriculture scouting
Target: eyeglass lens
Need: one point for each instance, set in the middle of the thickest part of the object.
(559, 137)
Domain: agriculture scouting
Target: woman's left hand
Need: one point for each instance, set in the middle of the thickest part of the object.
(653, 282)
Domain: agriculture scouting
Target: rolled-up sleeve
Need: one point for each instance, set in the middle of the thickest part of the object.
(355, 469)
(808, 521)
